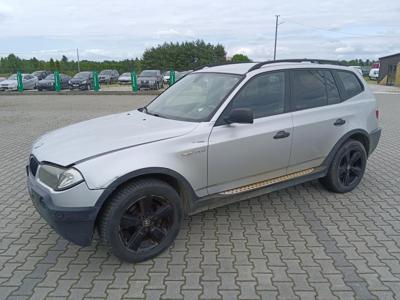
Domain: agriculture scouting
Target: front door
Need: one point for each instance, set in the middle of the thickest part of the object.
(242, 154)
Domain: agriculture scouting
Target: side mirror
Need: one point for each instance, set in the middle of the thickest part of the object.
(240, 115)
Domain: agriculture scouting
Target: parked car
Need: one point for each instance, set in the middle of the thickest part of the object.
(358, 69)
(374, 74)
(108, 76)
(125, 78)
(218, 135)
(166, 77)
(150, 79)
(11, 84)
(41, 74)
(365, 70)
(48, 82)
(82, 81)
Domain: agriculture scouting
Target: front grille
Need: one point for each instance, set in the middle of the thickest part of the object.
(33, 165)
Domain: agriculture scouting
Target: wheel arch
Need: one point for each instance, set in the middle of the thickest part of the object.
(357, 134)
(176, 180)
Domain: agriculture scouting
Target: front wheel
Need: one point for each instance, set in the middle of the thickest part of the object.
(347, 168)
(141, 220)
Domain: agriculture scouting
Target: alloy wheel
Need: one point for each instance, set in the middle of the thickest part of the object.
(146, 223)
(351, 167)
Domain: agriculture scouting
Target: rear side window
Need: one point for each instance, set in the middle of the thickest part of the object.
(331, 88)
(264, 94)
(308, 89)
(350, 83)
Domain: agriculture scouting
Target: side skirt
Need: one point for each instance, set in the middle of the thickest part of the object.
(256, 190)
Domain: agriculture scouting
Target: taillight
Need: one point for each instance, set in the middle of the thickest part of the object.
(377, 114)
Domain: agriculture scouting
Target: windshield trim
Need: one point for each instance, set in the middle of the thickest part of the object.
(209, 118)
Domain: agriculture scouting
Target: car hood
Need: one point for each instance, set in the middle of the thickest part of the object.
(153, 78)
(103, 135)
(7, 81)
(78, 80)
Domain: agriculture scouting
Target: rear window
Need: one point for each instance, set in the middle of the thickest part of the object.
(350, 82)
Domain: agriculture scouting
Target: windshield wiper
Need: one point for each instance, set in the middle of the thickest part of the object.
(146, 111)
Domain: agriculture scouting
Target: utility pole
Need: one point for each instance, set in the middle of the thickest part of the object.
(276, 34)
(77, 56)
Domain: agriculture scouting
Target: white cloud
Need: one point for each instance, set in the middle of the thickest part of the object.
(311, 28)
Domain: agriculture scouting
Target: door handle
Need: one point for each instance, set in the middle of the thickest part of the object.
(339, 122)
(281, 134)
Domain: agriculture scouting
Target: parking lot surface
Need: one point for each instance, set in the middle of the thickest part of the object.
(298, 243)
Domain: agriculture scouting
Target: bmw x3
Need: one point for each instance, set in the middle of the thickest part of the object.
(219, 135)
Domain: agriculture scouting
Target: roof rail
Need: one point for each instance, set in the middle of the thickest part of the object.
(316, 61)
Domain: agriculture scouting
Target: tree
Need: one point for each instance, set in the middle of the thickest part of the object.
(52, 66)
(240, 58)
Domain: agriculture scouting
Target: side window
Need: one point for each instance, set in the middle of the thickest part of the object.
(308, 89)
(331, 89)
(264, 94)
(351, 84)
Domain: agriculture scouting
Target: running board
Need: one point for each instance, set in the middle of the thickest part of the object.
(264, 183)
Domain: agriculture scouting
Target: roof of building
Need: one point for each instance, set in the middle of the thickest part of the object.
(388, 56)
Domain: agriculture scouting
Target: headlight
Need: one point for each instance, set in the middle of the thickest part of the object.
(69, 82)
(84, 82)
(69, 178)
(59, 178)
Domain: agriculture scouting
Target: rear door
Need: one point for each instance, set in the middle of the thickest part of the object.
(243, 154)
(319, 117)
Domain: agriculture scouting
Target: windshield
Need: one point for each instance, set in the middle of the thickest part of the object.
(126, 74)
(105, 72)
(50, 77)
(13, 77)
(195, 97)
(82, 75)
(148, 74)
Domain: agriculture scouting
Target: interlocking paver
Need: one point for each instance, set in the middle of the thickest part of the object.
(299, 243)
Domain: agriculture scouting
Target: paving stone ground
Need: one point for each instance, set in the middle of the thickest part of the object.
(298, 243)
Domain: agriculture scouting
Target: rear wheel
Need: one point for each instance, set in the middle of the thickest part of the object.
(141, 220)
(347, 168)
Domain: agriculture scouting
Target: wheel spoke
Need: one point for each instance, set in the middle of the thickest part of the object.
(346, 178)
(355, 157)
(347, 157)
(145, 206)
(342, 170)
(136, 239)
(162, 212)
(356, 171)
(157, 234)
(130, 221)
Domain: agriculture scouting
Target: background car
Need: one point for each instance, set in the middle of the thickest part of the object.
(166, 76)
(150, 79)
(81, 81)
(374, 74)
(41, 74)
(48, 82)
(11, 84)
(125, 78)
(108, 76)
(2, 78)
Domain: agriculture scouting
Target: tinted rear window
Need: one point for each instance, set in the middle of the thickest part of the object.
(308, 89)
(351, 84)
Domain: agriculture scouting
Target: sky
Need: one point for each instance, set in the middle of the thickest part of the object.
(124, 29)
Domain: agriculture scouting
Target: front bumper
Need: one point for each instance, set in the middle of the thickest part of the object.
(374, 137)
(75, 224)
(78, 86)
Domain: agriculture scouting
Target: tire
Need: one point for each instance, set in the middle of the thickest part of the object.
(347, 168)
(141, 220)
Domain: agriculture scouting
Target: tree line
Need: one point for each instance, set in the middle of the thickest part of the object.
(178, 56)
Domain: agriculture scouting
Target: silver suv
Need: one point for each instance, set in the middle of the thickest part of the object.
(219, 135)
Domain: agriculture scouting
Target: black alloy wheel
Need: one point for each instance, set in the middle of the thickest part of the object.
(146, 223)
